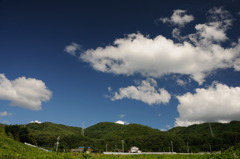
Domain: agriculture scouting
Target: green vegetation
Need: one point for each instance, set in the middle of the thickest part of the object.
(200, 138)
(195, 138)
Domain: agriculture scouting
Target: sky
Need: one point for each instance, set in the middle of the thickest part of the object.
(160, 63)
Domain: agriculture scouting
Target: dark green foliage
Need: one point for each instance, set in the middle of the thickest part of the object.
(48, 128)
(101, 129)
(199, 137)
(19, 133)
(195, 138)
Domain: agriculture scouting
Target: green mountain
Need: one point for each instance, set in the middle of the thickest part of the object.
(209, 136)
(101, 129)
(205, 128)
(52, 129)
(115, 135)
(112, 136)
(10, 148)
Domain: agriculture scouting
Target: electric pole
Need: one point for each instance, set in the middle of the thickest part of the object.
(210, 127)
(57, 143)
(123, 145)
(82, 129)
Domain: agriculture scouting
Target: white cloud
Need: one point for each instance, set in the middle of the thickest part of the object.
(36, 121)
(121, 122)
(168, 127)
(146, 91)
(198, 55)
(5, 114)
(109, 89)
(214, 30)
(218, 103)
(181, 82)
(176, 33)
(122, 115)
(179, 17)
(24, 92)
(72, 49)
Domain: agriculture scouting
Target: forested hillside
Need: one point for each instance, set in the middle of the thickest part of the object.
(209, 136)
(112, 136)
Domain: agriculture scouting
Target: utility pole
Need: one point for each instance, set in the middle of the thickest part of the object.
(172, 146)
(57, 143)
(82, 129)
(123, 145)
(210, 127)
(187, 148)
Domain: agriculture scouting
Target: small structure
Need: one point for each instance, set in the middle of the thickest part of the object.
(135, 149)
(79, 149)
(89, 150)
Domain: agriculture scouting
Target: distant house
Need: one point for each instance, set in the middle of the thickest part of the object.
(79, 149)
(134, 149)
(89, 150)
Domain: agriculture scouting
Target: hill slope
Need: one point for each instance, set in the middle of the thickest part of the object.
(14, 149)
(205, 128)
(49, 128)
(195, 138)
(209, 136)
(101, 129)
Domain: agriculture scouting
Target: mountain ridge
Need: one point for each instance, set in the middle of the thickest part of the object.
(197, 137)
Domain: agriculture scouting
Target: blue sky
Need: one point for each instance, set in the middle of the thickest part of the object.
(156, 63)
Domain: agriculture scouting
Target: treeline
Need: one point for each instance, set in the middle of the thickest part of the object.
(115, 137)
(19, 133)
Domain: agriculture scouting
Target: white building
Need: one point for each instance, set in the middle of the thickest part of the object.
(135, 149)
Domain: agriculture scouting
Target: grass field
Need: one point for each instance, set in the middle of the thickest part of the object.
(38, 154)
(41, 155)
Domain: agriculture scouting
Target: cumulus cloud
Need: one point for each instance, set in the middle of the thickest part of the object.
(198, 55)
(5, 114)
(24, 92)
(145, 91)
(218, 103)
(179, 18)
(122, 115)
(214, 30)
(121, 122)
(176, 33)
(181, 82)
(36, 121)
(72, 49)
